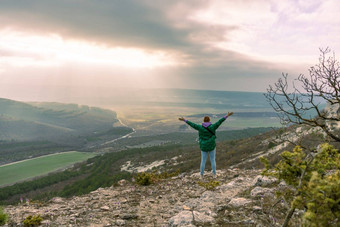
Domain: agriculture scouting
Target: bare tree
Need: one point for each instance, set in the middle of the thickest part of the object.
(302, 105)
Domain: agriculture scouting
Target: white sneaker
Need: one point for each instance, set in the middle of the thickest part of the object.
(201, 177)
(214, 176)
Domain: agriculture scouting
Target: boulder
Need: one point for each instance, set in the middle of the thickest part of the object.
(120, 222)
(105, 208)
(122, 182)
(259, 191)
(239, 202)
(202, 219)
(263, 181)
(184, 218)
(57, 200)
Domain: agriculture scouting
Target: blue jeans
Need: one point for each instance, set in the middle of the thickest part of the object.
(204, 156)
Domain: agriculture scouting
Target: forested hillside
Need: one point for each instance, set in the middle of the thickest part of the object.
(33, 129)
(51, 121)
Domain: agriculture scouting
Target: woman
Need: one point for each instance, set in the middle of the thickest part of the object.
(206, 133)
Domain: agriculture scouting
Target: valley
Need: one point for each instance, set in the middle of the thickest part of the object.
(141, 139)
(126, 131)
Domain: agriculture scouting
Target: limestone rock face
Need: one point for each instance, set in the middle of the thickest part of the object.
(259, 191)
(184, 218)
(178, 201)
(263, 181)
(201, 218)
(239, 202)
(334, 112)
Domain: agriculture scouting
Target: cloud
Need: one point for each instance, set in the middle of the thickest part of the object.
(286, 31)
(128, 22)
(212, 41)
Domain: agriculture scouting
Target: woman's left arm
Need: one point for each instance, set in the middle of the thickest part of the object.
(219, 122)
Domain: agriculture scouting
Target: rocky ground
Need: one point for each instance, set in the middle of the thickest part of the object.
(239, 200)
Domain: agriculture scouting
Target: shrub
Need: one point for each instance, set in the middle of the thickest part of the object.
(210, 185)
(271, 144)
(3, 217)
(151, 178)
(144, 178)
(314, 184)
(165, 175)
(325, 191)
(32, 220)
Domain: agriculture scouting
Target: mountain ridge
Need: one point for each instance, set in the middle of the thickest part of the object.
(52, 127)
(70, 119)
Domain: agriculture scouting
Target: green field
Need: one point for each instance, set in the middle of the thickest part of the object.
(19, 171)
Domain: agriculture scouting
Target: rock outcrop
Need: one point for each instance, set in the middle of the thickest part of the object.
(179, 201)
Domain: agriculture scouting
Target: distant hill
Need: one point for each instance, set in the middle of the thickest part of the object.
(254, 101)
(189, 98)
(54, 122)
(238, 114)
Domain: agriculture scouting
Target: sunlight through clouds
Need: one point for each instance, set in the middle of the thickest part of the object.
(22, 49)
(197, 44)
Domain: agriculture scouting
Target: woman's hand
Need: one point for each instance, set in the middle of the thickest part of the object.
(181, 119)
(230, 113)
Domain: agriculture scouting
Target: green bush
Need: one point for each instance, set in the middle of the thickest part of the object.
(210, 185)
(325, 191)
(151, 178)
(271, 144)
(314, 184)
(165, 175)
(3, 217)
(33, 220)
(144, 178)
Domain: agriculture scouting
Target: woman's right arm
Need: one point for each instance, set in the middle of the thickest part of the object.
(192, 125)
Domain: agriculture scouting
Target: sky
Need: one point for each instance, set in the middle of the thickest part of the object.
(48, 46)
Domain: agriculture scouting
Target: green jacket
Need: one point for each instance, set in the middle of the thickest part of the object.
(206, 138)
